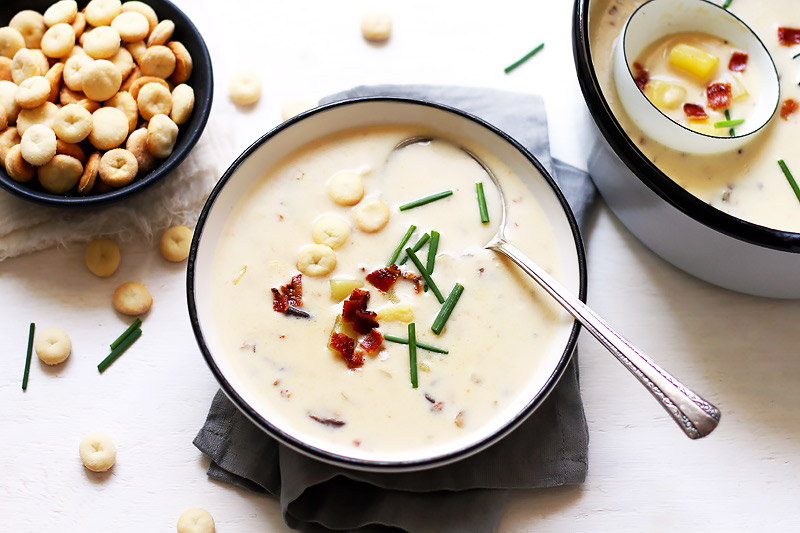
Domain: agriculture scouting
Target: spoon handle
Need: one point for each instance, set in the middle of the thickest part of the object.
(696, 417)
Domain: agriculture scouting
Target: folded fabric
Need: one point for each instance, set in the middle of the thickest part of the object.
(176, 199)
(548, 449)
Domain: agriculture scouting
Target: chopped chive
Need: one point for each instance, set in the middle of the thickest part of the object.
(421, 345)
(447, 308)
(119, 350)
(727, 4)
(412, 353)
(796, 55)
(125, 333)
(433, 248)
(524, 58)
(482, 202)
(426, 200)
(732, 131)
(428, 279)
(28, 357)
(396, 254)
(729, 123)
(419, 244)
(788, 174)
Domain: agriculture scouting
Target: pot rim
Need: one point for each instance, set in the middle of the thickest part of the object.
(644, 169)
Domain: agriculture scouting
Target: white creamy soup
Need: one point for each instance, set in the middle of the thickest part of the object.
(746, 183)
(502, 337)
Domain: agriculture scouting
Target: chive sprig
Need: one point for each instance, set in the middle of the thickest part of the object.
(421, 345)
(482, 202)
(433, 248)
(28, 357)
(419, 244)
(727, 4)
(119, 350)
(790, 178)
(125, 333)
(447, 308)
(425, 275)
(396, 254)
(412, 353)
(729, 123)
(426, 200)
(523, 59)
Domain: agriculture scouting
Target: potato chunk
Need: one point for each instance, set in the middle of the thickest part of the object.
(341, 288)
(693, 60)
(396, 313)
(664, 95)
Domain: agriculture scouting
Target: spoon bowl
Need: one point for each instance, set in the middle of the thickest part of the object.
(659, 18)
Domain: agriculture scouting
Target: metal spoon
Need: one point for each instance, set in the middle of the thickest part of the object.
(695, 416)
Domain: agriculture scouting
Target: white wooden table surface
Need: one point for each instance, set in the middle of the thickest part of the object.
(741, 352)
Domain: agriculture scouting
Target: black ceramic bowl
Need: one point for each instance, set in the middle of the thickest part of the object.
(248, 170)
(201, 81)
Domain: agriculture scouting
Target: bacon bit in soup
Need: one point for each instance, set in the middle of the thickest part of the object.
(384, 279)
(694, 111)
(373, 342)
(788, 108)
(459, 419)
(332, 422)
(276, 383)
(354, 311)
(429, 398)
(356, 443)
(640, 75)
(719, 96)
(346, 347)
(416, 280)
(788, 36)
(738, 62)
(289, 296)
(438, 406)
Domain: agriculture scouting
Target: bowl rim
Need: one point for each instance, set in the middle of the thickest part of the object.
(644, 169)
(351, 462)
(21, 190)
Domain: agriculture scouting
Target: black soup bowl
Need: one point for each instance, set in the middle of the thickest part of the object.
(201, 82)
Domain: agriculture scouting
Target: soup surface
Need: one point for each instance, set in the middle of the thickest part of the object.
(746, 183)
(698, 80)
(503, 338)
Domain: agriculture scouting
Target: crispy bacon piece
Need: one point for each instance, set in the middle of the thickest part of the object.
(384, 278)
(738, 62)
(694, 111)
(289, 295)
(279, 303)
(373, 342)
(354, 311)
(416, 280)
(333, 422)
(788, 108)
(346, 346)
(640, 75)
(719, 96)
(788, 36)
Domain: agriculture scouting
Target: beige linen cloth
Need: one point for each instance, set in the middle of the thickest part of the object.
(27, 227)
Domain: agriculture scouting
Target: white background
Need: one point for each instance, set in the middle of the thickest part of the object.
(739, 351)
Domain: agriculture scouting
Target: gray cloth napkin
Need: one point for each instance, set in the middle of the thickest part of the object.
(547, 450)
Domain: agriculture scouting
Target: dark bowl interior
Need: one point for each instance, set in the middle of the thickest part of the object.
(201, 81)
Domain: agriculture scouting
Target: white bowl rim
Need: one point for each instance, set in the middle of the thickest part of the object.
(352, 462)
